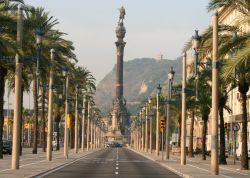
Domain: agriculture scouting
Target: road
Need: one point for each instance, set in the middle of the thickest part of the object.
(113, 162)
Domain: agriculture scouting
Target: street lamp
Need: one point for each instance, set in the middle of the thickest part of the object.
(39, 39)
(146, 127)
(76, 121)
(83, 121)
(183, 112)
(150, 123)
(170, 83)
(195, 44)
(66, 122)
(17, 100)
(157, 118)
(50, 108)
(214, 135)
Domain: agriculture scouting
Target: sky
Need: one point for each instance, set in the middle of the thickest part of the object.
(153, 27)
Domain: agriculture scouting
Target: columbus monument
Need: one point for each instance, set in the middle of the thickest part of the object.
(119, 114)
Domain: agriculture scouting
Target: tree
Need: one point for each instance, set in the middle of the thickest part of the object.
(37, 20)
(7, 48)
(239, 62)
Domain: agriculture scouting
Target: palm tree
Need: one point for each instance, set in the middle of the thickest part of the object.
(7, 48)
(37, 19)
(240, 62)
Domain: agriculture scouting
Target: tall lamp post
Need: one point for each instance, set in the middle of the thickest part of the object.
(142, 129)
(150, 124)
(50, 108)
(195, 44)
(88, 125)
(214, 137)
(76, 121)
(146, 127)
(66, 122)
(83, 122)
(39, 39)
(183, 112)
(170, 83)
(17, 103)
(157, 119)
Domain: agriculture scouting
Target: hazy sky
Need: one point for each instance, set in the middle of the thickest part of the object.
(153, 27)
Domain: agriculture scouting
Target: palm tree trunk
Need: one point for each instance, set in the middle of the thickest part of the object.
(72, 134)
(35, 115)
(204, 134)
(191, 151)
(43, 118)
(179, 130)
(21, 121)
(243, 89)
(222, 159)
(3, 73)
(57, 136)
(244, 154)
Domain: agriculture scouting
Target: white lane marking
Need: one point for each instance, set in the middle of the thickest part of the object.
(116, 173)
(60, 167)
(117, 164)
(232, 170)
(117, 168)
(207, 170)
(37, 162)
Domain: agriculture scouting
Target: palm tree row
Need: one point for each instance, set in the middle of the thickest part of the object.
(38, 22)
(234, 55)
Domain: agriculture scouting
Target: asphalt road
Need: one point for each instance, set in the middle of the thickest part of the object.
(113, 162)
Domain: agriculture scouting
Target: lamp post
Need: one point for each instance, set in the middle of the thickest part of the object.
(170, 83)
(17, 99)
(88, 122)
(83, 122)
(137, 135)
(66, 122)
(146, 127)
(195, 44)
(183, 112)
(150, 124)
(91, 128)
(76, 121)
(39, 39)
(157, 119)
(214, 136)
(142, 129)
(50, 108)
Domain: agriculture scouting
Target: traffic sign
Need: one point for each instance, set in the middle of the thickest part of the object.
(236, 127)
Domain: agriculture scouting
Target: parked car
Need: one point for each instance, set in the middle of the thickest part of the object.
(7, 146)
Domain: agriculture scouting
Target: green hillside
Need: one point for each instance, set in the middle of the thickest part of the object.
(141, 77)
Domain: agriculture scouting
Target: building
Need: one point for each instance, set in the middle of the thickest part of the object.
(227, 17)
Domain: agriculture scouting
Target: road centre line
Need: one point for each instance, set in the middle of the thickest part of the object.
(117, 156)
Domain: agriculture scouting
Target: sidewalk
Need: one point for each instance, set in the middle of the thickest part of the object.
(31, 165)
(197, 168)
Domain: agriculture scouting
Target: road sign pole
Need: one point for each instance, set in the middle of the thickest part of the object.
(234, 134)
(161, 144)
